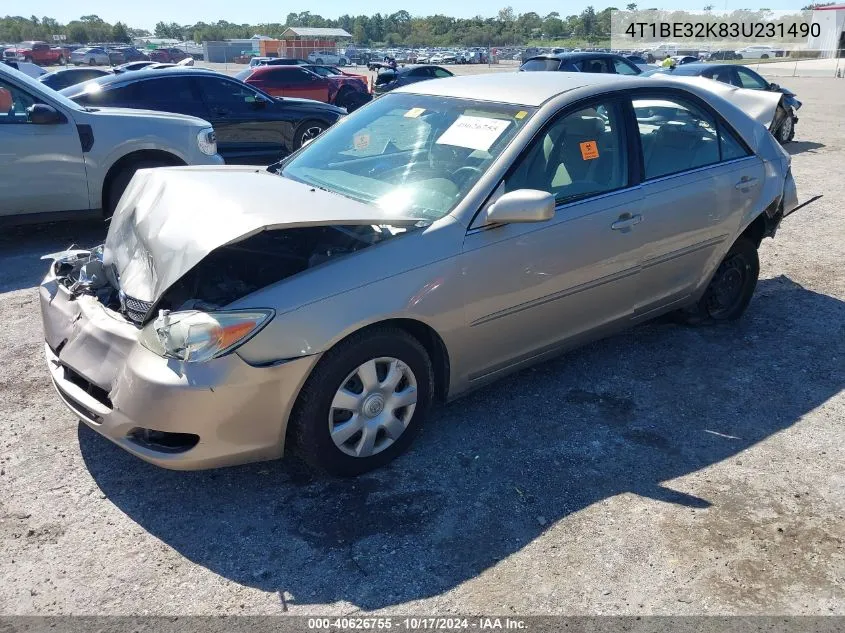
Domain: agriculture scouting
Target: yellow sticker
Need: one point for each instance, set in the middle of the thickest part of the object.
(413, 113)
(520, 115)
(361, 141)
(589, 150)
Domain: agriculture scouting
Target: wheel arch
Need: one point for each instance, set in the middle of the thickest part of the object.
(127, 159)
(428, 337)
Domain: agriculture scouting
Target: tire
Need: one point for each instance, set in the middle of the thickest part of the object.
(61, 60)
(305, 131)
(92, 62)
(314, 416)
(764, 56)
(730, 290)
(786, 132)
(353, 100)
(738, 56)
(121, 180)
(319, 60)
(28, 59)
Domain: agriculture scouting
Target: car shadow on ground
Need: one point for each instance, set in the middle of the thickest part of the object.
(21, 248)
(800, 147)
(495, 469)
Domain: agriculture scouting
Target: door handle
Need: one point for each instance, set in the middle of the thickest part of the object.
(745, 182)
(626, 221)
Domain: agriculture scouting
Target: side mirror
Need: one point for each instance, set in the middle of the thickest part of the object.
(259, 103)
(522, 205)
(774, 87)
(42, 114)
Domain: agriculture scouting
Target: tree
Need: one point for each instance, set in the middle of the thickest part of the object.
(76, 32)
(631, 7)
(120, 33)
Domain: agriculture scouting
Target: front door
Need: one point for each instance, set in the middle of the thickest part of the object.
(532, 287)
(304, 84)
(41, 166)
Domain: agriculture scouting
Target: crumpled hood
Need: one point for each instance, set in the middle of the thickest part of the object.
(169, 219)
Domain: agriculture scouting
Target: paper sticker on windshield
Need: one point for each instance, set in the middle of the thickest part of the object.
(361, 140)
(520, 115)
(589, 150)
(474, 132)
(413, 113)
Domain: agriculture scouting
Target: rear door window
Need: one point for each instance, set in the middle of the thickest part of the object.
(541, 64)
(678, 136)
(623, 67)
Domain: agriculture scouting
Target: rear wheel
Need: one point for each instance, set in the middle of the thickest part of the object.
(730, 290)
(364, 402)
(92, 62)
(306, 132)
(319, 60)
(121, 180)
(61, 60)
(764, 56)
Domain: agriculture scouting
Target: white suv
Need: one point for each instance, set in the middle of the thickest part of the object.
(758, 51)
(327, 57)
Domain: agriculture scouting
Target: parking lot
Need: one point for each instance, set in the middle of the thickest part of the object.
(666, 470)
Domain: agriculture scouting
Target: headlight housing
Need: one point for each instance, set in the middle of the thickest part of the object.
(195, 336)
(207, 141)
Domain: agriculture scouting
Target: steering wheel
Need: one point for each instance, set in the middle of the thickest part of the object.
(462, 173)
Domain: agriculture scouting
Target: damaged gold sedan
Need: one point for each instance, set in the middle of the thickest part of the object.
(435, 240)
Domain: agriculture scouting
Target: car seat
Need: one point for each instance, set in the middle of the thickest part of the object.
(6, 102)
(680, 146)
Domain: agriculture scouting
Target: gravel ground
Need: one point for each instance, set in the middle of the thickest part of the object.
(666, 470)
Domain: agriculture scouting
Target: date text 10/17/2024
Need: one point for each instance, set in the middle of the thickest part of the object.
(416, 624)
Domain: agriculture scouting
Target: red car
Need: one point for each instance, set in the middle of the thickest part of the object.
(40, 53)
(345, 91)
(167, 55)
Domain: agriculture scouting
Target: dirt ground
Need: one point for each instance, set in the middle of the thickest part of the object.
(666, 470)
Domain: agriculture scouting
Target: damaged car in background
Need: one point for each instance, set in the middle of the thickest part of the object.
(436, 240)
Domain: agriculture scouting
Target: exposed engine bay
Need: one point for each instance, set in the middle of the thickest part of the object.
(227, 274)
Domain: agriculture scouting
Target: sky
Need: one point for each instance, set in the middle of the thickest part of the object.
(145, 13)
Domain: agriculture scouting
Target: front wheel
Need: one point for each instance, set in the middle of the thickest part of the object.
(61, 60)
(764, 56)
(730, 290)
(786, 131)
(364, 402)
(92, 62)
(306, 132)
(319, 60)
(121, 180)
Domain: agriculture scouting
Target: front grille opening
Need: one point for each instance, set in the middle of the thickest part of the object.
(135, 309)
(162, 441)
(80, 408)
(98, 393)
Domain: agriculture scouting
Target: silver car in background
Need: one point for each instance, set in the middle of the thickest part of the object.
(435, 240)
(90, 56)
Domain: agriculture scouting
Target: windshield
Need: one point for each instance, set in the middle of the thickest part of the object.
(42, 93)
(416, 156)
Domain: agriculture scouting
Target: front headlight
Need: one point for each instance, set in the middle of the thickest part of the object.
(207, 141)
(195, 336)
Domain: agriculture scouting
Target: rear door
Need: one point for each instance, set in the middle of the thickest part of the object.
(250, 130)
(41, 166)
(699, 180)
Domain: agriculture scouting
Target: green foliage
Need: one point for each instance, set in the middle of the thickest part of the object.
(399, 28)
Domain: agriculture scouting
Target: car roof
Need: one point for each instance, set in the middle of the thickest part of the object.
(531, 89)
(698, 68)
(144, 73)
(575, 56)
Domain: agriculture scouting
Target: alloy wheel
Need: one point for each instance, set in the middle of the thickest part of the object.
(373, 407)
(310, 134)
